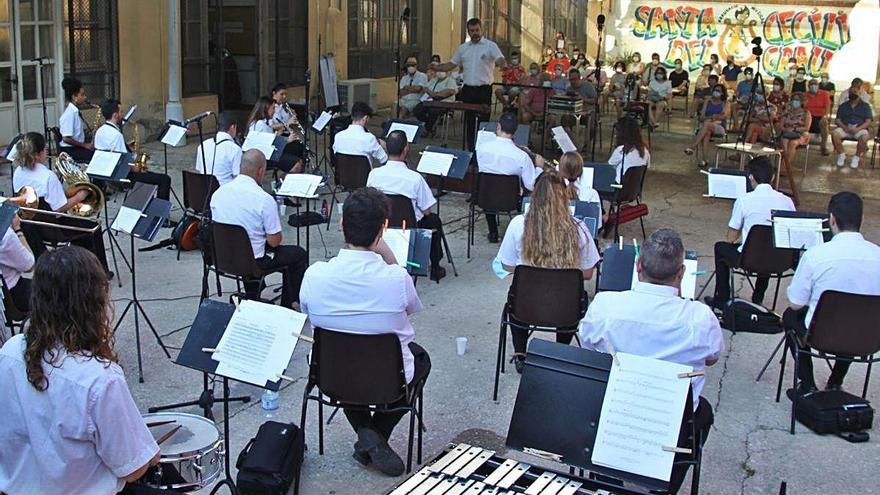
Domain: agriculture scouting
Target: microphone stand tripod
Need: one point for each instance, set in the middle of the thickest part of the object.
(39, 60)
(597, 76)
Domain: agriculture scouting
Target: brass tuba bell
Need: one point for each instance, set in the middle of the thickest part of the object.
(77, 180)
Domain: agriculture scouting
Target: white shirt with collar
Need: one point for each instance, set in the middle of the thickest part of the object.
(243, 202)
(108, 137)
(438, 85)
(45, 183)
(396, 178)
(281, 116)
(15, 258)
(82, 434)
(355, 140)
(417, 79)
(847, 263)
(754, 209)
(70, 124)
(501, 156)
(510, 251)
(653, 321)
(261, 125)
(632, 159)
(223, 155)
(357, 292)
(477, 61)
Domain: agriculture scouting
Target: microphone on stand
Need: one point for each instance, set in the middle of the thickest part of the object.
(197, 118)
(600, 22)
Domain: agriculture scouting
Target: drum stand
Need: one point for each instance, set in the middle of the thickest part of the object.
(206, 400)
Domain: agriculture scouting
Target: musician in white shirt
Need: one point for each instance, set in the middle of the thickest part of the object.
(109, 137)
(356, 139)
(440, 88)
(848, 263)
(70, 124)
(412, 85)
(652, 320)
(221, 152)
(243, 202)
(395, 177)
(261, 120)
(364, 291)
(285, 122)
(16, 258)
(628, 136)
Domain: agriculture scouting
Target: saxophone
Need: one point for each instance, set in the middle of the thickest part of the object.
(298, 133)
(140, 157)
(77, 180)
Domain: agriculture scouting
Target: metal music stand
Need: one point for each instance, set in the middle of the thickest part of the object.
(162, 133)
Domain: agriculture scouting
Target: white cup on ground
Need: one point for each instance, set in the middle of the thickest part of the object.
(461, 345)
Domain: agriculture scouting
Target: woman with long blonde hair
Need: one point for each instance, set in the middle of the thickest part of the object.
(547, 236)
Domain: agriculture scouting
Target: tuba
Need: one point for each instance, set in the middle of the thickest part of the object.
(77, 180)
(140, 157)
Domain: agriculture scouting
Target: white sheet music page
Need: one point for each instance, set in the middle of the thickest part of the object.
(433, 163)
(126, 219)
(300, 185)
(103, 163)
(689, 281)
(586, 180)
(409, 129)
(563, 140)
(797, 233)
(263, 141)
(641, 414)
(726, 186)
(398, 242)
(174, 135)
(321, 122)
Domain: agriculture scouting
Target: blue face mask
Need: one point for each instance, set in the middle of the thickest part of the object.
(499, 270)
(716, 94)
(795, 103)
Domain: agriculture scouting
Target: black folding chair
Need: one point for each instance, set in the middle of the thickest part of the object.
(15, 318)
(402, 211)
(760, 258)
(231, 256)
(495, 194)
(541, 300)
(350, 173)
(843, 328)
(362, 372)
(632, 183)
(197, 191)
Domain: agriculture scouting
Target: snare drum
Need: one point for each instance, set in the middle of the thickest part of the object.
(192, 458)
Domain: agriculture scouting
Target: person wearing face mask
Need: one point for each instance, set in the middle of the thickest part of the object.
(761, 119)
(648, 76)
(617, 88)
(636, 66)
(659, 94)
(799, 83)
(704, 84)
(778, 96)
(441, 87)
(731, 73)
(714, 116)
(825, 84)
(558, 82)
(531, 101)
(512, 74)
(794, 127)
(679, 79)
(856, 88)
(853, 119)
(559, 62)
(742, 95)
(715, 63)
(818, 103)
(412, 85)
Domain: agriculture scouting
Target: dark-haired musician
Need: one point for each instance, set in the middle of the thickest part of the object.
(73, 136)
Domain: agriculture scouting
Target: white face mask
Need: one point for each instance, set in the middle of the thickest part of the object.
(514, 61)
(637, 59)
(546, 84)
(441, 75)
(411, 70)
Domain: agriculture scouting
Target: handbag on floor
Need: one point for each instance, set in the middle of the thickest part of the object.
(745, 316)
(836, 411)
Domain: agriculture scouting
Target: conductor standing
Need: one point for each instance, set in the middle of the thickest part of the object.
(477, 58)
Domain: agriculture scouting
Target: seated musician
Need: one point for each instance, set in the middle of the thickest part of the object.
(16, 258)
(260, 120)
(356, 139)
(548, 236)
(243, 202)
(70, 424)
(502, 157)
(109, 137)
(441, 87)
(630, 148)
(651, 320)
(583, 90)
(571, 169)
(31, 171)
(221, 152)
(395, 177)
(284, 120)
(364, 291)
(70, 124)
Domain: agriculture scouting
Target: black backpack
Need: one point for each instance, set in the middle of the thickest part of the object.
(745, 316)
(271, 461)
(836, 411)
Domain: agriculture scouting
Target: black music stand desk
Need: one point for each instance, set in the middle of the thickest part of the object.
(457, 170)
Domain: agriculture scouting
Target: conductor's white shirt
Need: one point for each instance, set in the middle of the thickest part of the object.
(477, 61)
(754, 209)
(243, 202)
(355, 140)
(510, 251)
(847, 263)
(357, 292)
(632, 159)
(45, 183)
(80, 435)
(108, 137)
(501, 156)
(396, 178)
(15, 258)
(653, 321)
(223, 155)
(70, 124)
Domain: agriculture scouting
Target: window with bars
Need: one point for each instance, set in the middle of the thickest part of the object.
(288, 41)
(568, 16)
(194, 50)
(501, 23)
(91, 45)
(373, 30)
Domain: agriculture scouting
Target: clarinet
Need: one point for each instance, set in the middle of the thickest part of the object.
(307, 153)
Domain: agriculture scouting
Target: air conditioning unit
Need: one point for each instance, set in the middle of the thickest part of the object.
(352, 90)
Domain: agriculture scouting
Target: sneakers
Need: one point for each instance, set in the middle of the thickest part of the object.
(378, 451)
(841, 157)
(854, 164)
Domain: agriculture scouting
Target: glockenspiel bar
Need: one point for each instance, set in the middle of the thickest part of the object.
(447, 458)
(476, 463)
(476, 488)
(443, 487)
(514, 474)
(540, 483)
(460, 487)
(407, 486)
(500, 472)
(461, 461)
(553, 488)
(571, 488)
(426, 486)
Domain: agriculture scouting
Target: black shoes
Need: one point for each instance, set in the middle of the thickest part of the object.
(376, 449)
(519, 362)
(802, 390)
(712, 303)
(833, 387)
(437, 273)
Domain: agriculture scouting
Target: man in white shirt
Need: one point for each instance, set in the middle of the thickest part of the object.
(222, 153)
(440, 88)
(477, 58)
(501, 156)
(356, 139)
(750, 210)
(652, 320)
(244, 203)
(395, 177)
(109, 137)
(412, 85)
(16, 258)
(364, 291)
(847, 263)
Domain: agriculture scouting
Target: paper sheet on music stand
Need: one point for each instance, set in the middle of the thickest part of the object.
(411, 130)
(641, 414)
(321, 122)
(484, 137)
(174, 135)
(103, 163)
(126, 219)
(797, 233)
(433, 163)
(300, 185)
(689, 281)
(398, 241)
(727, 186)
(563, 140)
(263, 141)
(586, 180)
(129, 114)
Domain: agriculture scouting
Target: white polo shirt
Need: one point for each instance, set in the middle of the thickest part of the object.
(501, 156)
(81, 435)
(243, 202)
(355, 140)
(108, 137)
(847, 263)
(653, 321)
(632, 159)
(45, 183)
(417, 79)
(223, 155)
(261, 125)
(477, 61)
(15, 258)
(396, 178)
(357, 292)
(510, 251)
(281, 116)
(754, 209)
(587, 195)
(438, 85)
(70, 124)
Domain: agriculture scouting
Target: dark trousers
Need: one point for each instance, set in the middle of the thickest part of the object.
(434, 223)
(703, 420)
(384, 422)
(21, 294)
(427, 115)
(162, 181)
(474, 94)
(492, 223)
(78, 154)
(294, 151)
(291, 262)
(727, 257)
(796, 320)
(520, 339)
(92, 242)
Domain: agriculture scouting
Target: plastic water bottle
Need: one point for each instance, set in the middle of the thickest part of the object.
(325, 211)
(282, 208)
(269, 400)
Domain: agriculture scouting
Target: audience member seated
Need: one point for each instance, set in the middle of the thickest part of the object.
(703, 88)
(799, 83)
(512, 73)
(819, 106)
(853, 119)
(742, 96)
(630, 148)
(794, 127)
(715, 63)
(617, 90)
(440, 88)
(16, 259)
(356, 139)
(659, 95)
(730, 73)
(714, 116)
(652, 68)
(777, 95)
(636, 66)
(760, 123)
(827, 85)
(559, 62)
(855, 88)
(531, 101)
(847, 263)
(680, 79)
(412, 85)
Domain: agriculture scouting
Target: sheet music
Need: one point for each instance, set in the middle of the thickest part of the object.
(129, 114)
(398, 241)
(797, 233)
(103, 163)
(174, 135)
(563, 140)
(689, 281)
(126, 219)
(410, 130)
(321, 122)
(263, 141)
(433, 163)
(586, 180)
(726, 186)
(641, 414)
(484, 137)
(300, 185)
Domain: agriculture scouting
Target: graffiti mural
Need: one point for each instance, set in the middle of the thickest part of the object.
(692, 34)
